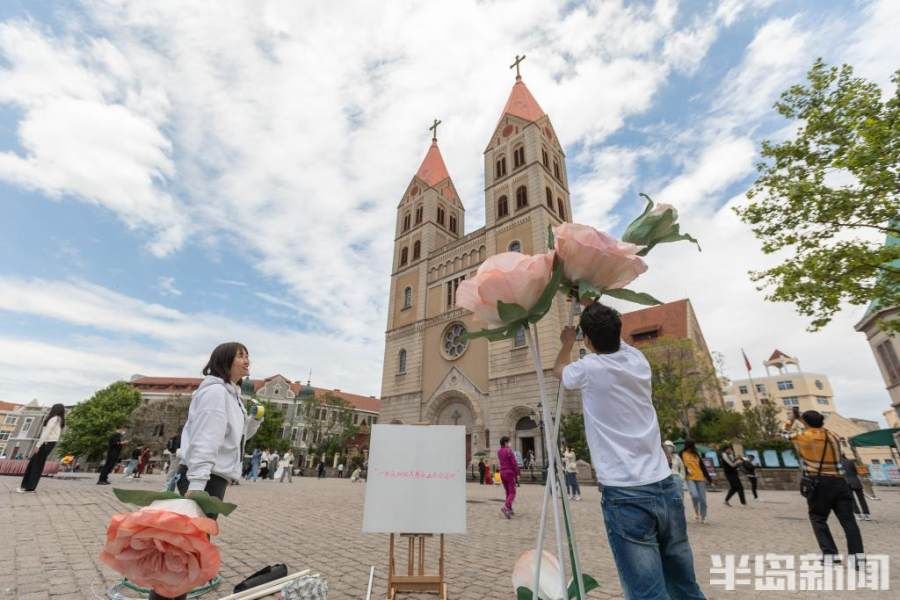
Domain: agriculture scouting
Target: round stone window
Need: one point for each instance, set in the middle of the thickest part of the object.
(453, 341)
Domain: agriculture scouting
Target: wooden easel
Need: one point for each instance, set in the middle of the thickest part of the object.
(415, 580)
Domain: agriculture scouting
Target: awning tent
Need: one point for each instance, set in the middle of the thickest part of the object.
(869, 439)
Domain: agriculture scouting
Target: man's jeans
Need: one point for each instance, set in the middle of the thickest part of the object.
(647, 534)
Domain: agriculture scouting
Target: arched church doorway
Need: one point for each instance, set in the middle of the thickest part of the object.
(526, 436)
(457, 411)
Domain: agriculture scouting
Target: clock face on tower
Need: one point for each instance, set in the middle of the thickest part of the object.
(453, 341)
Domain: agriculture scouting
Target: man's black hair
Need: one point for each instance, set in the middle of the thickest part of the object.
(813, 418)
(603, 326)
(504, 440)
(221, 359)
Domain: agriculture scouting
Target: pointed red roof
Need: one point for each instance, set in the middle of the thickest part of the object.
(433, 170)
(522, 104)
(778, 354)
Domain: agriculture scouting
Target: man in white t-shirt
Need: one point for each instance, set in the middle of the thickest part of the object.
(642, 506)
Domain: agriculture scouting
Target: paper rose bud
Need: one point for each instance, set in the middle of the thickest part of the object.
(164, 546)
(596, 258)
(510, 277)
(551, 583)
(656, 225)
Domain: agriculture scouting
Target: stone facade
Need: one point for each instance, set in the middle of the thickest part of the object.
(886, 349)
(429, 375)
(20, 427)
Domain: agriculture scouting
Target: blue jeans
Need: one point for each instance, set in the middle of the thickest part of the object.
(254, 470)
(572, 484)
(648, 537)
(697, 490)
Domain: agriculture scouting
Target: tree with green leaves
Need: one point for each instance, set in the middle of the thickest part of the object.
(270, 430)
(681, 380)
(823, 193)
(762, 425)
(90, 423)
(718, 425)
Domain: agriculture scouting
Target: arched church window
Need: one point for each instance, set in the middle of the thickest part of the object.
(407, 297)
(401, 361)
(521, 197)
(404, 256)
(519, 157)
(418, 215)
(417, 250)
(502, 207)
(515, 246)
(525, 424)
(453, 223)
(440, 215)
(556, 170)
(549, 194)
(562, 209)
(406, 222)
(545, 157)
(501, 167)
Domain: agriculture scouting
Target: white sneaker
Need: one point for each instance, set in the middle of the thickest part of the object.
(20, 491)
(867, 517)
(858, 517)
(578, 498)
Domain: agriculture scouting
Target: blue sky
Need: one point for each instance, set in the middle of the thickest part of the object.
(171, 177)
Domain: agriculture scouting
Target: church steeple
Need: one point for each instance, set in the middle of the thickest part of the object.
(433, 170)
(522, 104)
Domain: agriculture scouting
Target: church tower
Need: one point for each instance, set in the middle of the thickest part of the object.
(432, 373)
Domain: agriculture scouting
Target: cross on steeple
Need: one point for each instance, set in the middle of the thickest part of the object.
(516, 65)
(433, 129)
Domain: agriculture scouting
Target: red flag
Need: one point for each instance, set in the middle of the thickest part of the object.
(746, 360)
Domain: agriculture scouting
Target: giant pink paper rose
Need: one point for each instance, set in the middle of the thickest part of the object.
(596, 258)
(511, 277)
(161, 549)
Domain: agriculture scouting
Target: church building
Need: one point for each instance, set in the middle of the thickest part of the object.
(432, 374)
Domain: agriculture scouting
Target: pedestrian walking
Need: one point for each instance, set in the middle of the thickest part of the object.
(750, 469)
(730, 465)
(113, 451)
(570, 463)
(481, 469)
(509, 471)
(54, 423)
(642, 508)
(274, 459)
(255, 463)
(173, 446)
(264, 464)
(143, 460)
(132, 463)
(852, 476)
(696, 478)
(676, 464)
(320, 469)
(341, 471)
(287, 467)
(824, 485)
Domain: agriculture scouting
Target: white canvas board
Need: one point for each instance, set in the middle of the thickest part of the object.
(416, 480)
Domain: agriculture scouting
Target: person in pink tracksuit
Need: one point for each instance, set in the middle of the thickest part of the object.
(509, 473)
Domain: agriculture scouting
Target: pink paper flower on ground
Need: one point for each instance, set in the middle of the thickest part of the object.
(510, 277)
(596, 258)
(552, 586)
(164, 547)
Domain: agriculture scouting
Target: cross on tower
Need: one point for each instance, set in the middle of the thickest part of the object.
(516, 65)
(433, 129)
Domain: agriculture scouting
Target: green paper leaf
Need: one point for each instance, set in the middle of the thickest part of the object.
(589, 584)
(510, 313)
(523, 593)
(630, 296)
(207, 503)
(546, 299)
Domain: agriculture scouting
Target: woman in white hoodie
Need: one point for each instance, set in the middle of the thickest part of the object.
(54, 423)
(218, 426)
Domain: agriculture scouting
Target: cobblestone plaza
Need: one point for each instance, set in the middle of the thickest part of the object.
(52, 538)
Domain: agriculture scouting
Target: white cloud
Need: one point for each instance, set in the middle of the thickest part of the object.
(167, 286)
(874, 46)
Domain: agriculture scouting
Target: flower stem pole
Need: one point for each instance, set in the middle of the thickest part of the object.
(549, 443)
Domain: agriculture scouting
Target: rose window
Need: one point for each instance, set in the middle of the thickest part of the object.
(454, 342)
